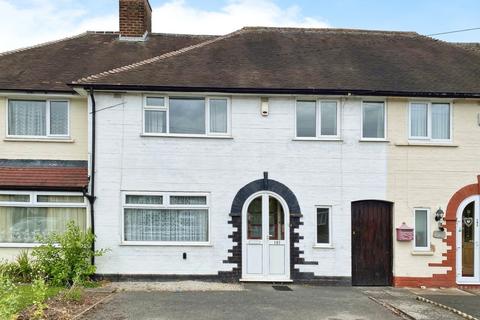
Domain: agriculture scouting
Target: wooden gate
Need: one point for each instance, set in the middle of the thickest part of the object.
(372, 243)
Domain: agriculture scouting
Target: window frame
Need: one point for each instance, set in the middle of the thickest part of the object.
(330, 233)
(428, 247)
(48, 135)
(385, 120)
(429, 121)
(166, 108)
(318, 119)
(33, 203)
(165, 205)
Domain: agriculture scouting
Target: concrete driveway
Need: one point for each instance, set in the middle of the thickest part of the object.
(256, 302)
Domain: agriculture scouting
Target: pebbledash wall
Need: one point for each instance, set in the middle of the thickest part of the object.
(330, 173)
(75, 148)
(431, 176)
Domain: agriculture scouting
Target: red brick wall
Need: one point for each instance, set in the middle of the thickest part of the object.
(448, 279)
(135, 18)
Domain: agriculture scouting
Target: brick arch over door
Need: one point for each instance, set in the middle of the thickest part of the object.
(449, 279)
(242, 195)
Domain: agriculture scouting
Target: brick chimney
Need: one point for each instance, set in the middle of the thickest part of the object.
(135, 18)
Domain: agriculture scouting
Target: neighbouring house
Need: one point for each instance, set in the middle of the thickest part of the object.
(269, 154)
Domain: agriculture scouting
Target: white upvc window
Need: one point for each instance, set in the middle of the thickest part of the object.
(421, 229)
(323, 226)
(430, 121)
(26, 215)
(374, 120)
(38, 118)
(160, 218)
(317, 119)
(186, 116)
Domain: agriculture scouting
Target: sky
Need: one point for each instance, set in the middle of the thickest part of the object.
(29, 22)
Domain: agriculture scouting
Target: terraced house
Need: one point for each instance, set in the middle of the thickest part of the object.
(268, 154)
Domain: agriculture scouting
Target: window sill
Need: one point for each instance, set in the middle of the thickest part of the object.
(185, 136)
(323, 246)
(19, 245)
(50, 140)
(422, 253)
(374, 140)
(164, 244)
(427, 144)
(319, 139)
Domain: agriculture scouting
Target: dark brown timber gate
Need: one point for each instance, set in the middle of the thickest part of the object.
(372, 243)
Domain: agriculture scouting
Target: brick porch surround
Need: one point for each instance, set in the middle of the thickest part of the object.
(448, 279)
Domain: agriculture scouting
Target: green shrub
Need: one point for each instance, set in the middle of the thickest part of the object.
(66, 258)
(23, 269)
(9, 298)
(74, 293)
(40, 294)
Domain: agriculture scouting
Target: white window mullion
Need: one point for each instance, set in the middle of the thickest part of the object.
(318, 128)
(207, 116)
(47, 117)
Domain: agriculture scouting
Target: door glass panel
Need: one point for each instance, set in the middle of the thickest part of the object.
(254, 219)
(468, 240)
(276, 219)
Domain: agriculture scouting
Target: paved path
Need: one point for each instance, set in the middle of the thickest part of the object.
(257, 302)
(469, 304)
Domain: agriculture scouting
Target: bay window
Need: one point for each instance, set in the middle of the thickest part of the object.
(165, 218)
(430, 121)
(26, 215)
(317, 119)
(38, 118)
(373, 120)
(186, 116)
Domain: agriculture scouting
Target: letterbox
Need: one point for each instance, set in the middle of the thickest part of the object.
(404, 233)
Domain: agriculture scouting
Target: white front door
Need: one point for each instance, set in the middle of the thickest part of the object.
(468, 242)
(265, 245)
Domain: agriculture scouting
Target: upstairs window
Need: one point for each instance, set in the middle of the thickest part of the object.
(430, 121)
(38, 118)
(186, 116)
(317, 119)
(373, 120)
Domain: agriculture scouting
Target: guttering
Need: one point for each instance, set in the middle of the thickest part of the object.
(91, 196)
(313, 91)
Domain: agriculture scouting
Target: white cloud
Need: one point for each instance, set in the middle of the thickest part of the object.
(177, 16)
(47, 20)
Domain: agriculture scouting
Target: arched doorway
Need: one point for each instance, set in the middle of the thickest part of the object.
(265, 238)
(468, 244)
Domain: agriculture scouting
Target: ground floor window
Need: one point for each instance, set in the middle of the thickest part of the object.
(422, 240)
(165, 218)
(26, 215)
(323, 222)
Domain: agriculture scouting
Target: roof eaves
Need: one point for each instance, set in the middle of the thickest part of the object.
(88, 79)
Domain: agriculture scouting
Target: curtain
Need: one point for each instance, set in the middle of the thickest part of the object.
(421, 227)
(218, 115)
(134, 199)
(166, 225)
(27, 118)
(155, 121)
(373, 120)
(190, 200)
(14, 198)
(59, 117)
(23, 224)
(60, 199)
(440, 121)
(328, 118)
(419, 120)
(306, 118)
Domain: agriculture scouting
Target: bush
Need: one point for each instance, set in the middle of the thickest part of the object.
(23, 269)
(66, 258)
(9, 298)
(40, 294)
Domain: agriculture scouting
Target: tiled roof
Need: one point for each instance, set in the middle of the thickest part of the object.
(51, 66)
(258, 59)
(43, 175)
